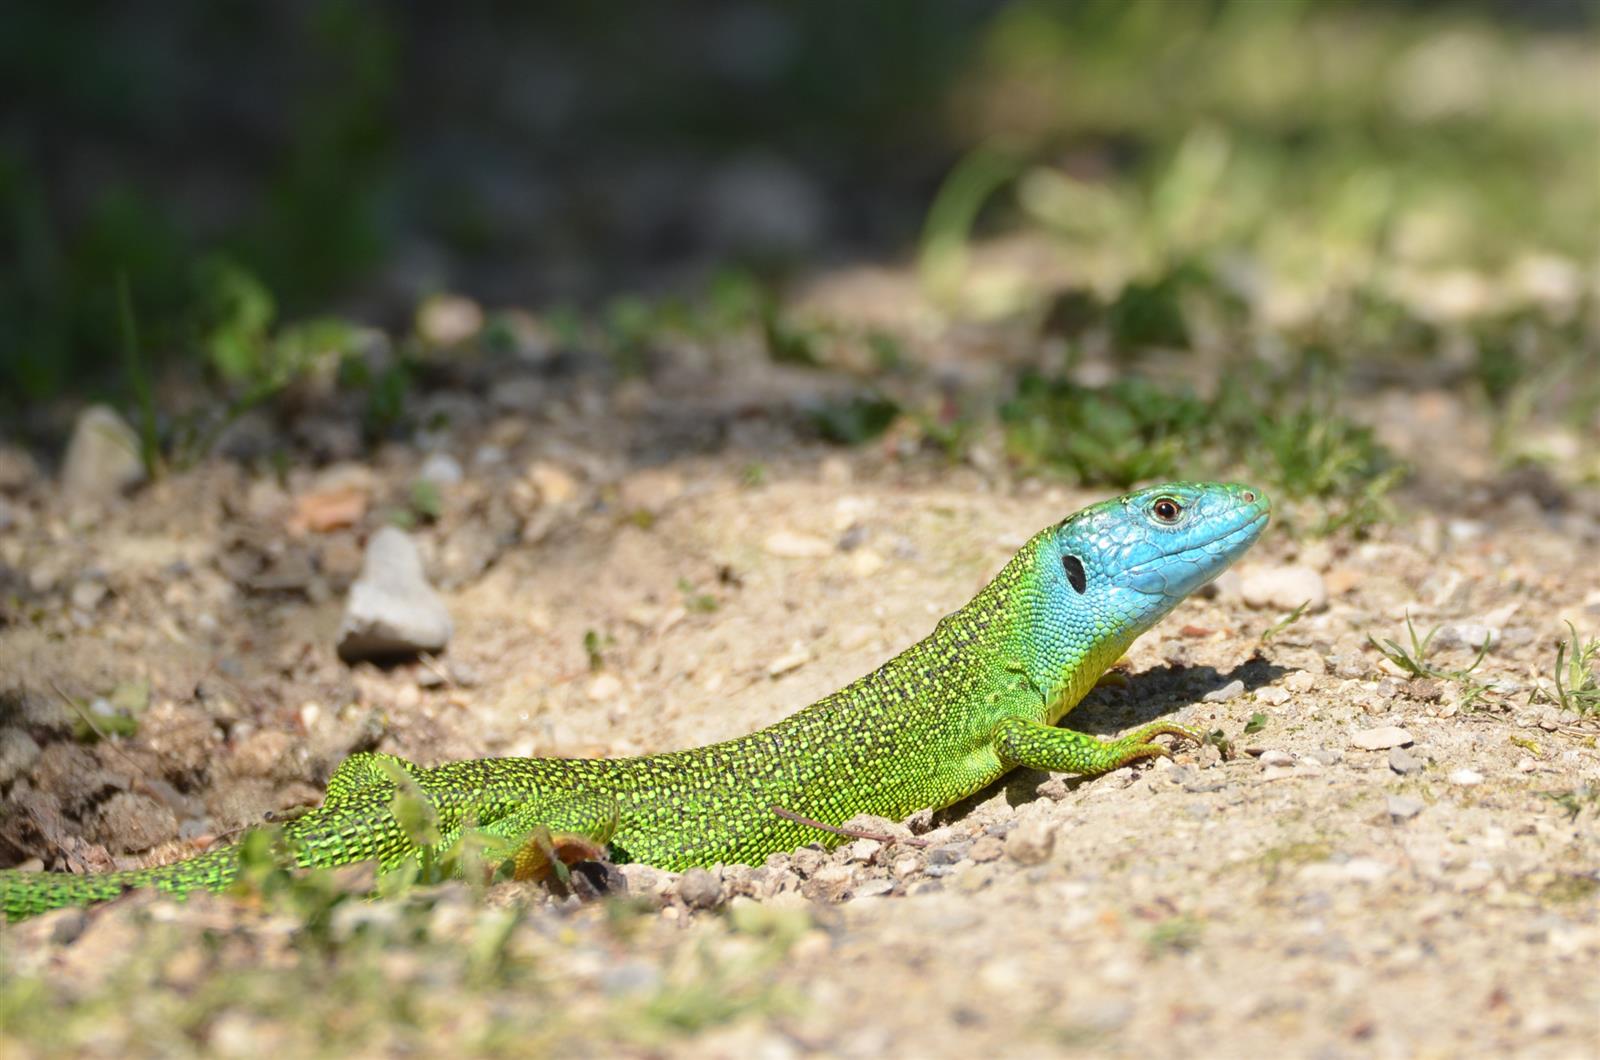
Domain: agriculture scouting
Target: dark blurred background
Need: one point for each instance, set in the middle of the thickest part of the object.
(170, 169)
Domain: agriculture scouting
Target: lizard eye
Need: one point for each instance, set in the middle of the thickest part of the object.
(1166, 509)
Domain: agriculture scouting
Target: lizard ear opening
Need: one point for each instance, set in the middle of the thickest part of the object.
(1075, 576)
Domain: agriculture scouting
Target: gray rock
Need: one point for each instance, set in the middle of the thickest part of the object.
(1404, 762)
(1284, 588)
(987, 848)
(1232, 690)
(699, 889)
(88, 594)
(950, 853)
(807, 860)
(1403, 807)
(875, 889)
(831, 882)
(1381, 738)
(392, 610)
(102, 458)
(1275, 757)
(645, 880)
(863, 850)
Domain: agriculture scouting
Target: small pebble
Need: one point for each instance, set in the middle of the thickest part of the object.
(441, 469)
(1229, 691)
(1284, 588)
(875, 889)
(1381, 738)
(831, 882)
(863, 850)
(1425, 689)
(645, 880)
(949, 854)
(1275, 757)
(807, 860)
(1031, 842)
(102, 458)
(1404, 762)
(1300, 681)
(699, 889)
(987, 848)
(1470, 635)
(788, 663)
(1272, 696)
(1403, 807)
(1466, 778)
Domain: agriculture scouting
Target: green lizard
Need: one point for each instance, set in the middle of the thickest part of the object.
(979, 696)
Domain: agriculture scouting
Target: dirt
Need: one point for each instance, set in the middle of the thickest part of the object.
(640, 567)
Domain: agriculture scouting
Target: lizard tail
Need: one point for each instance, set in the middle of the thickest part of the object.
(25, 894)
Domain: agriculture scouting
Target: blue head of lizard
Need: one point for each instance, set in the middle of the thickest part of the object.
(1135, 558)
(1113, 570)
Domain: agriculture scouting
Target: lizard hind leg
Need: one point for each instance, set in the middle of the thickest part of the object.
(360, 771)
(546, 837)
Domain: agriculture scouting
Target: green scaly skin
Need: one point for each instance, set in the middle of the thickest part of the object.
(979, 696)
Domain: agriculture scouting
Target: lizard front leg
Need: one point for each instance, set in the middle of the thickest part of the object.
(1020, 742)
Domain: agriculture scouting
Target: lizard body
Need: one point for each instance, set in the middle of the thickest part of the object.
(979, 696)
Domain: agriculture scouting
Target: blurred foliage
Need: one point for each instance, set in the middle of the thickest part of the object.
(341, 153)
(1399, 191)
(1135, 430)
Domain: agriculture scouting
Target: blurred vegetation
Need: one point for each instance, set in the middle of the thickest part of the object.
(1300, 198)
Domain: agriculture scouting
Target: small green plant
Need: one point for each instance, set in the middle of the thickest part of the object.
(696, 602)
(1414, 660)
(595, 644)
(1219, 739)
(1178, 934)
(1284, 623)
(1576, 687)
(1130, 431)
(1256, 723)
(426, 501)
(856, 419)
(1575, 801)
(1311, 452)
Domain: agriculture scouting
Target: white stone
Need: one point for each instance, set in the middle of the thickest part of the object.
(1284, 588)
(392, 610)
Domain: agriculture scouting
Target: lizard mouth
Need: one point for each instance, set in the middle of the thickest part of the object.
(1181, 572)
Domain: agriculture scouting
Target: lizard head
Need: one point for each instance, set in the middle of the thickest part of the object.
(1125, 563)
